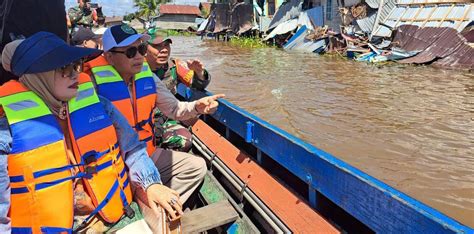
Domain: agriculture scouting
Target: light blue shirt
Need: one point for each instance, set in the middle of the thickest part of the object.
(141, 169)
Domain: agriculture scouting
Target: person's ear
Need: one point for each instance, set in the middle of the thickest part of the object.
(109, 57)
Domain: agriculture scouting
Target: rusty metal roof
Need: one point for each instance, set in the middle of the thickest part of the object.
(443, 46)
(469, 36)
(219, 19)
(241, 18)
(461, 58)
(179, 9)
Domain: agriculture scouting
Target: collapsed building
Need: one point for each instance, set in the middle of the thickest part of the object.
(366, 30)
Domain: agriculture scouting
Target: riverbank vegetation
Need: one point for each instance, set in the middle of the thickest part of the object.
(248, 42)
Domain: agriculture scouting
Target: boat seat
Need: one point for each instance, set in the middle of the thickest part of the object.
(208, 217)
(194, 221)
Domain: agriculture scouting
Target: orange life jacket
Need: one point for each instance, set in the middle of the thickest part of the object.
(183, 73)
(137, 108)
(40, 171)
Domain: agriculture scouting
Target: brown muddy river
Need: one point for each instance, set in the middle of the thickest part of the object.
(411, 127)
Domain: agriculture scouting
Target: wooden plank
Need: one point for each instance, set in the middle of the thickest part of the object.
(212, 192)
(401, 16)
(417, 13)
(208, 217)
(429, 16)
(289, 207)
(446, 15)
(468, 10)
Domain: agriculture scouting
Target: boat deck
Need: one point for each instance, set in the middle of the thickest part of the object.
(290, 208)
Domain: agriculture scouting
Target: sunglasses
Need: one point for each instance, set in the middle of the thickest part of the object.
(71, 69)
(131, 52)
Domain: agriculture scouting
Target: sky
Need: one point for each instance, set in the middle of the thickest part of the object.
(123, 7)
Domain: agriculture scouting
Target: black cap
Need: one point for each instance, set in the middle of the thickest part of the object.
(83, 34)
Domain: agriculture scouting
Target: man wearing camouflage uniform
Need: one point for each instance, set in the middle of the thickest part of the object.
(82, 15)
(169, 133)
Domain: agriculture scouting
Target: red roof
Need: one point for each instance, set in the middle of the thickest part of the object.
(179, 9)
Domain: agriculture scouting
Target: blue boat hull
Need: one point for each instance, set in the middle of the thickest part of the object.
(373, 203)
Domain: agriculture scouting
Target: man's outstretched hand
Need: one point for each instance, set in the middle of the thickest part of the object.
(208, 105)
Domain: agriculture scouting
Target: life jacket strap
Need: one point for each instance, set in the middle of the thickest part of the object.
(128, 210)
(44, 185)
(38, 174)
(93, 156)
(99, 207)
(139, 125)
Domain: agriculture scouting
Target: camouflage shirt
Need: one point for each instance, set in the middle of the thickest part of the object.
(80, 16)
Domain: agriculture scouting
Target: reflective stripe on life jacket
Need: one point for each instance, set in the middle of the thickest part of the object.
(138, 106)
(40, 171)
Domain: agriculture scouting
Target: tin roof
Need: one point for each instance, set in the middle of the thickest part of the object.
(289, 10)
(373, 3)
(299, 42)
(444, 46)
(384, 10)
(427, 14)
(283, 28)
(316, 16)
(219, 18)
(241, 18)
(179, 9)
(367, 24)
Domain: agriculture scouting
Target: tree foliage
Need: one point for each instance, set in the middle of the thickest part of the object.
(148, 8)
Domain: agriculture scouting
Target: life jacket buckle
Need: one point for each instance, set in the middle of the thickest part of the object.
(129, 212)
(90, 170)
(112, 147)
(139, 125)
(90, 157)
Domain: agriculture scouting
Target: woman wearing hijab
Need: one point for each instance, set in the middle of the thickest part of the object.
(66, 153)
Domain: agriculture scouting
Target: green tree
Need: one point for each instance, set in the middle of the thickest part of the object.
(204, 13)
(147, 8)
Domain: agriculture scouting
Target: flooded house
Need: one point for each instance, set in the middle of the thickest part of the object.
(177, 17)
